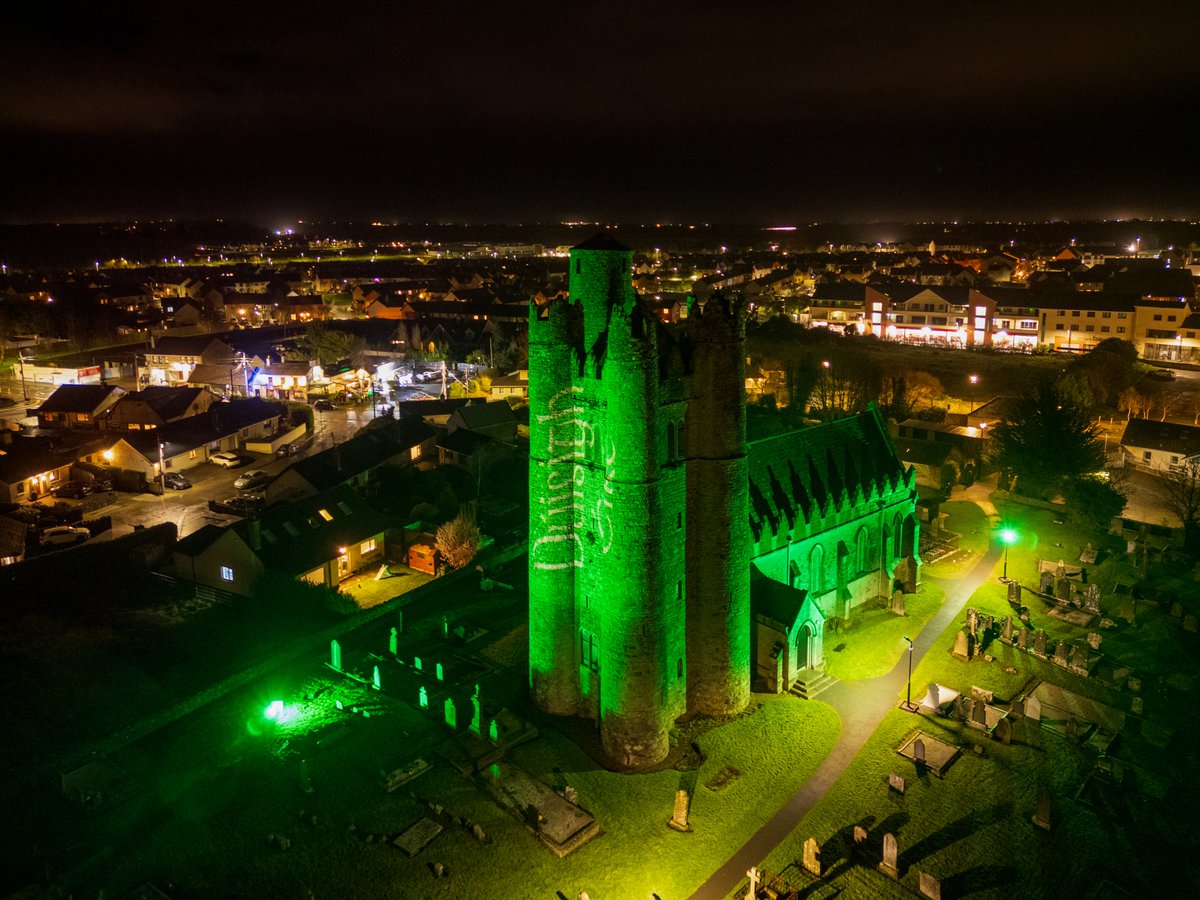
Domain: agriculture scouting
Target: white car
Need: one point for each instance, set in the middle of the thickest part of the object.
(65, 535)
(226, 460)
(253, 479)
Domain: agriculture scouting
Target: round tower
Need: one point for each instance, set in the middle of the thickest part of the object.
(553, 555)
(718, 530)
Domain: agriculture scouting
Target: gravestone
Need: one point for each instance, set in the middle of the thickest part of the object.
(679, 818)
(1014, 593)
(1003, 731)
(450, 713)
(972, 643)
(480, 834)
(860, 835)
(972, 619)
(888, 864)
(929, 887)
(1088, 556)
(989, 622)
(1041, 817)
(979, 713)
(393, 641)
(1006, 631)
(571, 795)
(935, 699)
(1079, 657)
(982, 694)
(475, 712)
(968, 708)
(1190, 624)
(960, 645)
(1091, 598)
(376, 680)
(494, 731)
(752, 874)
(335, 654)
(1134, 684)
(1095, 639)
(400, 620)
(1046, 583)
(1023, 615)
(1177, 609)
(305, 777)
(1062, 589)
(424, 698)
(441, 672)
(897, 605)
(960, 708)
(1135, 706)
(1033, 708)
(1060, 653)
(896, 782)
(1023, 639)
(1039, 643)
(1017, 708)
(812, 857)
(919, 752)
(1072, 729)
(445, 627)
(418, 664)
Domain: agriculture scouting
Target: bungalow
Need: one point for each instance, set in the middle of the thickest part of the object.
(282, 380)
(514, 384)
(1159, 446)
(77, 405)
(323, 539)
(154, 407)
(32, 466)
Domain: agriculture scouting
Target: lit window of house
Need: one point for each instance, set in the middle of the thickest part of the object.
(324, 514)
(367, 547)
(415, 452)
(226, 573)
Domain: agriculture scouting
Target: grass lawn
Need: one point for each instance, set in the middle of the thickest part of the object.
(876, 641)
(968, 520)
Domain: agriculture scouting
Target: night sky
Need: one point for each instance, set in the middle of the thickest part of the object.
(774, 113)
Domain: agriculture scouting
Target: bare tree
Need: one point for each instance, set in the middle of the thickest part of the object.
(458, 539)
(1180, 493)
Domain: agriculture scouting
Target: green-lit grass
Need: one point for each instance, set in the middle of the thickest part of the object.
(876, 641)
(967, 520)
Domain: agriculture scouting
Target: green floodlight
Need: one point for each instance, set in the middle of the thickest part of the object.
(1008, 536)
(274, 711)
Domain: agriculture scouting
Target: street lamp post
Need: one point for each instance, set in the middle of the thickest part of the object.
(908, 704)
(1008, 537)
(974, 380)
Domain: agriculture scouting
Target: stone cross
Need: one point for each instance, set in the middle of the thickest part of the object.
(679, 819)
(812, 857)
(424, 697)
(393, 641)
(888, 865)
(972, 619)
(930, 887)
(752, 874)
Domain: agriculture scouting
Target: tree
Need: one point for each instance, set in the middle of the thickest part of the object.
(328, 346)
(1046, 440)
(458, 539)
(1180, 493)
(1092, 500)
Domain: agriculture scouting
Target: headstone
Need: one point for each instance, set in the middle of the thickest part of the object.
(335, 655)
(860, 835)
(376, 680)
(445, 627)
(896, 782)
(418, 664)
(475, 710)
(1062, 589)
(1023, 615)
(1014, 593)
(960, 645)
(1041, 817)
(1003, 731)
(979, 713)
(400, 620)
(1006, 630)
(989, 622)
(888, 865)
(930, 887)
(919, 751)
(305, 777)
(1072, 729)
(972, 619)
(571, 795)
(441, 673)
(450, 713)
(1023, 639)
(1091, 598)
(1046, 583)
(439, 870)
(1039, 643)
(812, 857)
(1033, 708)
(494, 731)
(424, 698)
(1135, 706)
(1079, 657)
(982, 694)
(480, 834)
(1088, 556)
(1190, 623)
(959, 708)
(393, 641)
(972, 643)
(1134, 684)
(1017, 708)
(1095, 639)
(752, 874)
(1177, 609)
(897, 605)
(679, 818)
(1060, 652)
(935, 699)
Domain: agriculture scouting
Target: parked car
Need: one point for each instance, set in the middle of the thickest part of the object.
(238, 506)
(287, 450)
(176, 482)
(252, 480)
(65, 535)
(323, 405)
(1163, 374)
(226, 460)
(73, 490)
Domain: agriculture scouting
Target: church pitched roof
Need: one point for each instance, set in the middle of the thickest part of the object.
(811, 471)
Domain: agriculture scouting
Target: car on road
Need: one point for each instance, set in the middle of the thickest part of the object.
(73, 490)
(323, 405)
(238, 506)
(226, 460)
(65, 535)
(287, 450)
(176, 482)
(1162, 374)
(252, 480)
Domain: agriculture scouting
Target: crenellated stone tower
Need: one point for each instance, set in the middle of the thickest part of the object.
(639, 537)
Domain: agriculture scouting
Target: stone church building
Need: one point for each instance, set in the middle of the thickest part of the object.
(671, 562)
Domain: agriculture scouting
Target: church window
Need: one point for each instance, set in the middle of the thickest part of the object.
(862, 556)
(816, 570)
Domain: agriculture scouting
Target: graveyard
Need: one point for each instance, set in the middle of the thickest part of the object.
(1071, 767)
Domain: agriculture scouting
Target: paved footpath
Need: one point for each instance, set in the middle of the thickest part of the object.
(861, 706)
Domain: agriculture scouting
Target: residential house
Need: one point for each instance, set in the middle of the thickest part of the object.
(1159, 446)
(514, 384)
(154, 407)
(494, 418)
(77, 405)
(171, 360)
(33, 465)
(283, 380)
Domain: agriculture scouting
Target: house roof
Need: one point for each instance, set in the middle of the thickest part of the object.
(186, 345)
(200, 540)
(775, 600)
(83, 398)
(464, 441)
(475, 416)
(804, 473)
(168, 402)
(512, 379)
(213, 374)
(1170, 437)
(220, 420)
(369, 448)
